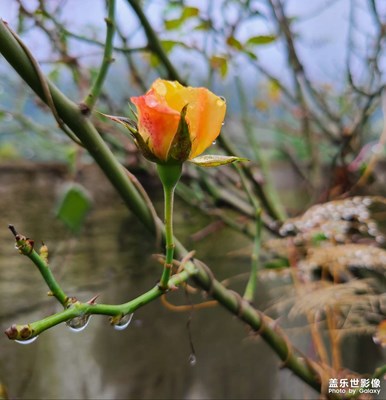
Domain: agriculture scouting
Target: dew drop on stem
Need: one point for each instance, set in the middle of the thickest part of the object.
(124, 322)
(28, 341)
(192, 360)
(78, 324)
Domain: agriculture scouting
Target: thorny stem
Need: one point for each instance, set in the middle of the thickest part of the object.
(96, 89)
(28, 331)
(26, 247)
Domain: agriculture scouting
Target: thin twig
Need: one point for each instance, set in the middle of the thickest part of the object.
(96, 89)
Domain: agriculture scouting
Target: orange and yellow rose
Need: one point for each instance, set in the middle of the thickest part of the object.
(174, 123)
(159, 125)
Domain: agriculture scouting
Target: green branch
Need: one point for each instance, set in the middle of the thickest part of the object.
(250, 289)
(270, 195)
(96, 89)
(78, 309)
(265, 202)
(154, 43)
(26, 247)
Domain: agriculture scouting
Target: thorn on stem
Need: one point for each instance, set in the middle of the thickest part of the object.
(12, 229)
(93, 300)
(84, 109)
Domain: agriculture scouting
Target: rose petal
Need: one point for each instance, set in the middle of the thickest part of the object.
(157, 123)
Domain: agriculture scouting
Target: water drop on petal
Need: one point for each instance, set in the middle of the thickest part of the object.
(124, 322)
(78, 324)
(214, 142)
(192, 360)
(28, 341)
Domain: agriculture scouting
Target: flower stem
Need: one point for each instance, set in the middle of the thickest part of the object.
(169, 175)
(169, 242)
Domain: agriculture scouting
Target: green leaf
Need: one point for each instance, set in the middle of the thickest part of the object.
(251, 55)
(154, 60)
(210, 160)
(220, 63)
(54, 75)
(204, 25)
(260, 40)
(168, 45)
(190, 12)
(277, 263)
(73, 206)
(171, 24)
(187, 12)
(8, 151)
(233, 42)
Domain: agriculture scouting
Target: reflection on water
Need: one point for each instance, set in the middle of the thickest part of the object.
(152, 357)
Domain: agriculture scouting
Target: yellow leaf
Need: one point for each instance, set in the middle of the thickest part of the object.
(274, 91)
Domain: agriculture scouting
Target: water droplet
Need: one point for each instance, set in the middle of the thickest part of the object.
(214, 142)
(28, 341)
(376, 340)
(78, 324)
(124, 322)
(151, 101)
(223, 98)
(192, 360)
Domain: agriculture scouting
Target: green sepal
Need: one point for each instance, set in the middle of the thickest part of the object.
(128, 123)
(181, 145)
(138, 139)
(210, 160)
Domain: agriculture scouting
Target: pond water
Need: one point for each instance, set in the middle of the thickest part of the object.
(112, 257)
